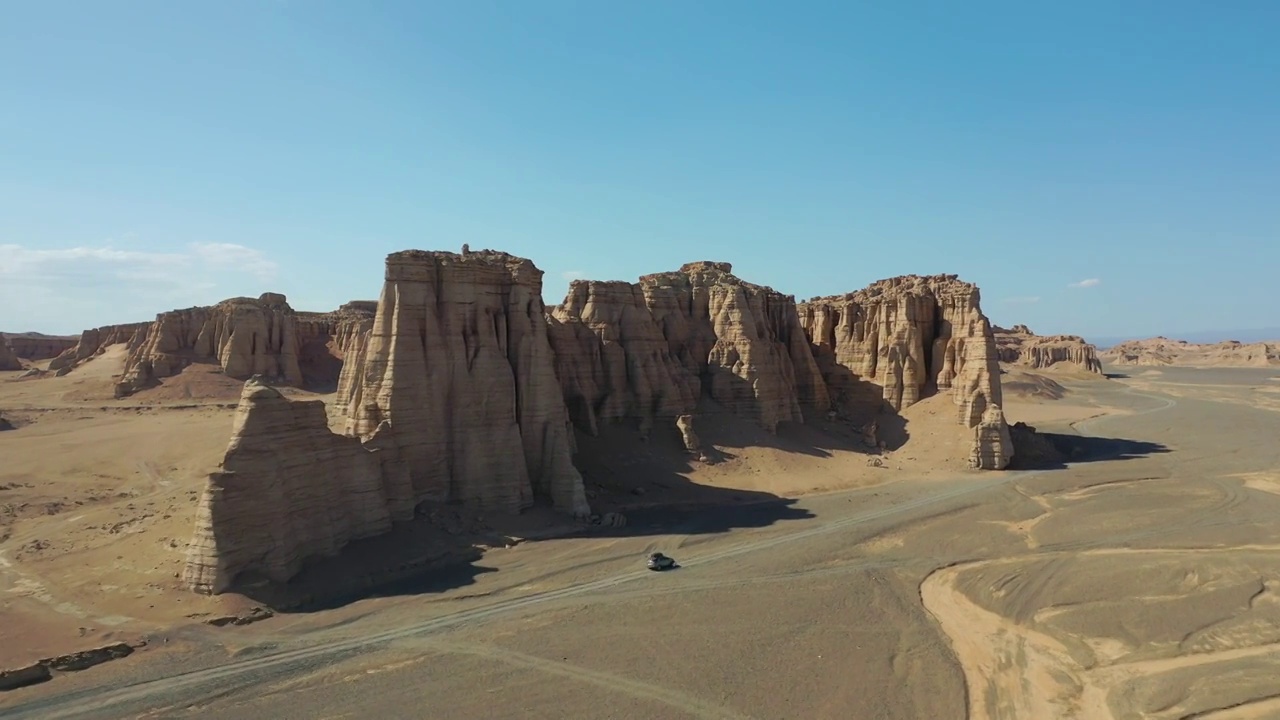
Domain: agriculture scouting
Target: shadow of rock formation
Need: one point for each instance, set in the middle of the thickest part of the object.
(1034, 450)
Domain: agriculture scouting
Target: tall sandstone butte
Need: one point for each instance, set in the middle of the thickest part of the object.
(1019, 346)
(459, 363)
(910, 336)
(650, 350)
(289, 489)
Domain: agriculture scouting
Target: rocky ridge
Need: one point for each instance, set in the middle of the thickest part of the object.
(1019, 346)
(38, 346)
(94, 341)
(461, 386)
(243, 336)
(651, 349)
(1164, 351)
(906, 337)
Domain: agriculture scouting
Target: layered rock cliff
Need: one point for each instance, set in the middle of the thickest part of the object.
(907, 337)
(244, 336)
(96, 340)
(1020, 346)
(1163, 351)
(649, 350)
(458, 360)
(287, 490)
(37, 346)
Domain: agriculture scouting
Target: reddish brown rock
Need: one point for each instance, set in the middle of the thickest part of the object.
(1020, 346)
(908, 337)
(459, 362)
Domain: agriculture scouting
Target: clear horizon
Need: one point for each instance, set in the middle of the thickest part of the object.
(1096, 170)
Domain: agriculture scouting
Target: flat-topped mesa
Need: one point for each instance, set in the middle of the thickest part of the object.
(94, 341)
(37, 346)
(1019, 346)
(651, 349)
(911, 336)
(289, 489)
(459, 362)
(245, 336)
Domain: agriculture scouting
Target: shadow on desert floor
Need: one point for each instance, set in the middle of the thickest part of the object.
(434, 554)
(1090, 449)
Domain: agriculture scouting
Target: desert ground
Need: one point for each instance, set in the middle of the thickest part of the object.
(1140, 580)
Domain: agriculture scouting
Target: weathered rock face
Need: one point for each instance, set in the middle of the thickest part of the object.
(908, 337)
(330, 343)
(289, 489)
(246, 337)
(8, 359)
(650, 350)
(95, 341)
(37, 346)
(459, 362)
(1020, 346)
(1163, 351)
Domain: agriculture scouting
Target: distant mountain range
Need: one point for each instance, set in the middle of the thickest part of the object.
(1203, 336)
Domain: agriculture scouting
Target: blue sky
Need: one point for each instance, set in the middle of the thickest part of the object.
(1103, 168)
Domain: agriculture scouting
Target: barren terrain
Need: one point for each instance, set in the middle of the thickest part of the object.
(1138, 581)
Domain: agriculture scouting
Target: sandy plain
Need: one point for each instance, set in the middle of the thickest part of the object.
(1140, 583)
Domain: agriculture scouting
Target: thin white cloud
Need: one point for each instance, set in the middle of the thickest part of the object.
(1091, 282)
(86, 285)
(21, 263)
(1022, 299)
(573, 274)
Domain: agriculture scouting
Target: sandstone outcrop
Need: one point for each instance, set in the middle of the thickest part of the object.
(38, 346)
(289, 489)
(650, 350)
(95, 341)
(904, 338)
(459, 361)
(8, 359)
(1020, 346)
(246, 337)
(684, 424)
(1163, 351)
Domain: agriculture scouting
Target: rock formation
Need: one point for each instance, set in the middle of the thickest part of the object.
(908, 337)
(1163, 351)
(93, 342)
(1020, 346)
(38, 346)
(289, 489)
(8, 359)
(246, 337)
(649, 350)
(243, 336)
(459, 362)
